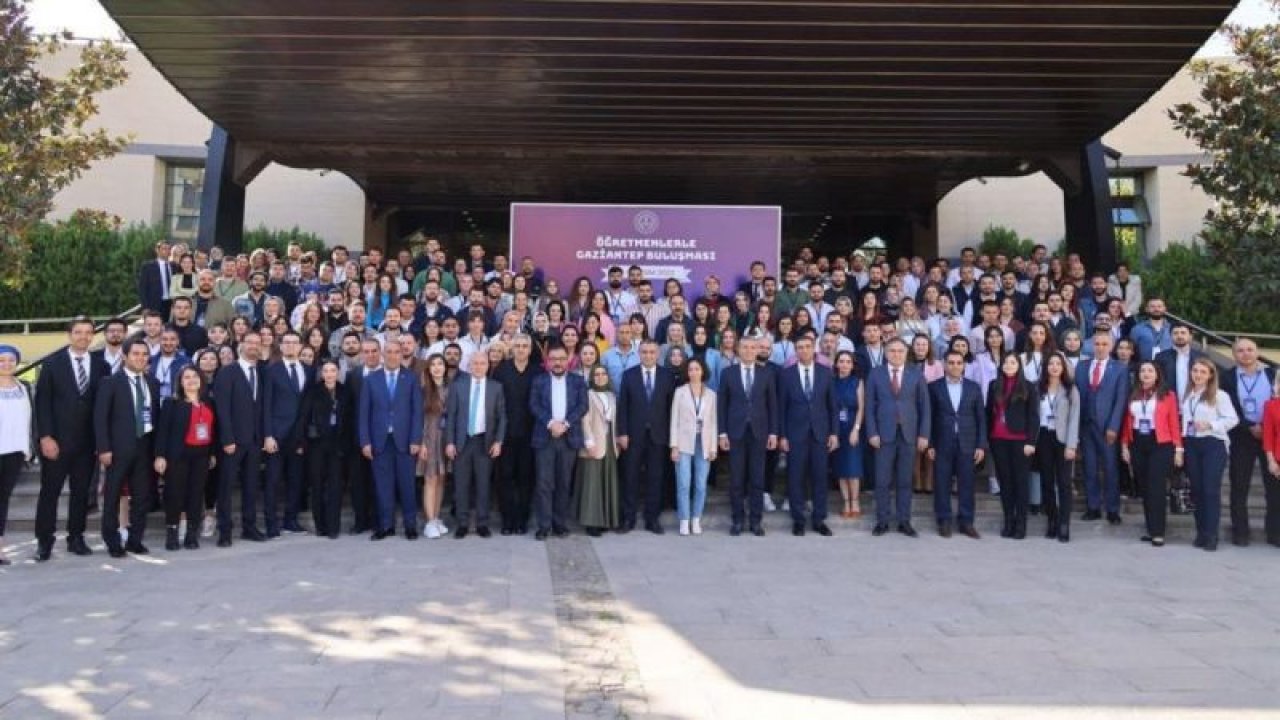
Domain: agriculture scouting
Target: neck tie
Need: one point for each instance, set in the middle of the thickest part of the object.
(82, 377)
(391, 383)
(253, 381)
(474, 410)
(648, 384)
(139, 402)
(808, 384)
(750, 379)
(895, 383)
(293, 376)
(1096, 379)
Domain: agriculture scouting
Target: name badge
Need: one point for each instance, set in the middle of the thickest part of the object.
(1191, 429)
(333, 419)
(146, 416)
(1250, 405)
(202, 432)
(1052, 418)
(699, 426)
(442, 422)
(844, 416)
(1144, 426)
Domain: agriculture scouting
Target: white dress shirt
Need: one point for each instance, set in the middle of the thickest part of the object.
(148, 402)
(559, 398)
(477, 423)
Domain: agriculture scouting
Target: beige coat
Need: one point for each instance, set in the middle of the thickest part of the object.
(684, 421)
(599, 424)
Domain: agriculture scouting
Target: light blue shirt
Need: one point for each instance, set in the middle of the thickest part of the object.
(1253, 388)
(617, 361)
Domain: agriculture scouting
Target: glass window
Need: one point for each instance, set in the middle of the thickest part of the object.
(184, 185)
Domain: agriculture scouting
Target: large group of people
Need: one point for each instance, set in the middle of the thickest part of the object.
(410, 384)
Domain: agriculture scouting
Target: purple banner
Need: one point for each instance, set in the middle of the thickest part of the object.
(685, 242)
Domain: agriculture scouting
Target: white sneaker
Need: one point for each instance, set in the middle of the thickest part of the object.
(768, 503)
(786, 506)
(993, 485)
(444, 529)
(124, 535)
(433, 533)
(696, 526)
(684, 527)
(210, 524)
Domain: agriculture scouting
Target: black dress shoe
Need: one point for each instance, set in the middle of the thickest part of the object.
(757, 530)
(906, 529)
(273, 533)
(191, 542)
(560, 532)
(224, 540)
(293, 527)
(944, 529)
(116, 552)
(483, 531)
(594, 532)
(1091, 515)
(507, 531)
(378, 535)
(1199, 541)
(253, 534)
(1064, 535)
(522, 529)
(970, 531)
(1033, 509)
(822, 529)
(540, 535)
(1211, 544)
(137, 548)
(624, 529)
(1114, 518)
(171, 539)
(77, 546)
(1051, 531)
(797, 529)
(655, 528)
(1240, 540)
(43, 553)
(410, 534)
(735, 530)
(461, 532)
(880, 529)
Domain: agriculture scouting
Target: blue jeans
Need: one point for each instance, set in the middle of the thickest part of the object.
(691, 469)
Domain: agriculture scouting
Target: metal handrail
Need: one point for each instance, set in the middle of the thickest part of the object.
(1205, 333)
(100, 323)
(26, 323)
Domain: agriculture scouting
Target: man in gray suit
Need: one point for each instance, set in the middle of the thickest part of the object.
(475, 426)
(898, 424)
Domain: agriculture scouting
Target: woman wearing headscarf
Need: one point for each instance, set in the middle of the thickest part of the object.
(17, 411)
(597, 495)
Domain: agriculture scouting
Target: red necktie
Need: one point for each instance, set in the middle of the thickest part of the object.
(1096, 379)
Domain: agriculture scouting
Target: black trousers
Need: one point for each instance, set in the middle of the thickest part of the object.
(516, 481)
(746, 478)
(1012, 467)
(79, 467)
(360, 488)
(1152, 463)
(185, 478)
(10, 465)
(555, 473)
(1246, 451)
(134, 471)
(645, 468)
(1055, 478)
(243, 467)
(325, 472)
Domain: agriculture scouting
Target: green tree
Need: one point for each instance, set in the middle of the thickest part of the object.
(999, 239)
(1236, 122)
(44, 142)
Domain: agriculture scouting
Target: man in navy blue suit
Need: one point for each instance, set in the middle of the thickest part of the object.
(957, 443)
(644, 426)
(237, 401)
(558, 401)
(898, 425)
(390, 431)
(807, 408)
(1104, 392)
(284, 383)
(125, 411)
(747, 415)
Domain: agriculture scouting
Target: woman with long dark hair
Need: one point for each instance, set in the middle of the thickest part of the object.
(184, 450)
(1013, 418)
(328, 419)
(432, 464)
(1057, 443)
(846, 464)
(1207, 418)
(1151, 444)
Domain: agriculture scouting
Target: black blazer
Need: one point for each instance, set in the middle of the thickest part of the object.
(636, 413)
(62, 413)
(151, 285)
(241, 416)
(113, 427)
(1020, 417)
(282, 402)
(317, 408)
(171, 431)
(735, 410)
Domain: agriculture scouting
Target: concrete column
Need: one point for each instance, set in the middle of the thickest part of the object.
(222, 204)
(1087, 207)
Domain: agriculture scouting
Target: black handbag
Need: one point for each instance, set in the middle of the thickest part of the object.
(1180, 502)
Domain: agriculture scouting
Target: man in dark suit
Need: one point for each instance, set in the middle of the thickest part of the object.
(1249, 385)
(237, 402)
(154, 278)
(1175, 363)
(754, 288)
(558, 401)
(514, 484)
(1104, 394)
(359, 470)
(807, 411)
(957, 443)
(124, 415)
(747, 417)
(474, 430)
(898, 426)
(644, 426)
(284, 382)
(65, 393)
(390, 436)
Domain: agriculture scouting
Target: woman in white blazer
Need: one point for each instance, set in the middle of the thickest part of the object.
(693, 443)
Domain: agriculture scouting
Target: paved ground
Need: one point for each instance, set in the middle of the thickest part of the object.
(641, 626)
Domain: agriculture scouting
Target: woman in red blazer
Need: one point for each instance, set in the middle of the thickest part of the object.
(1151, 444)
(1271, 428)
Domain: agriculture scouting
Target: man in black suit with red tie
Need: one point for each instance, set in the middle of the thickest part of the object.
(125, 411)
(747, 415)
(644, 428)
(237, 402)
(65, 393)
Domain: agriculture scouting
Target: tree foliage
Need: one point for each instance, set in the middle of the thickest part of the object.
(45, 143)
(1236, 121)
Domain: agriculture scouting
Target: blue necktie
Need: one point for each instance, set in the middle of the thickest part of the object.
(648, 385)
(808, 385)
(474, 410)
(391, 384)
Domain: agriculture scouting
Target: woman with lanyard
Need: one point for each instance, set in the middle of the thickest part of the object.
(1057, 443)
(327, 419)
(693, 444)
(597, 497)
(1151, 444)
(1013, 414)
(783, 352)
(847, 464)
(1039, 346)
(184, 452)
(1271, 428)
(17, 415)
(1207, 417)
